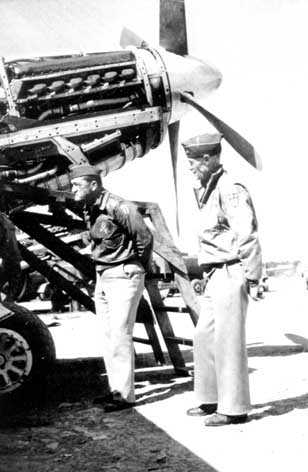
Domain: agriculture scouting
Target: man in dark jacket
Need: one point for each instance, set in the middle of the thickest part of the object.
(121, 246)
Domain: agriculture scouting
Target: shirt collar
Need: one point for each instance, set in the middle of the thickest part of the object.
(205, 193)
(100, 202)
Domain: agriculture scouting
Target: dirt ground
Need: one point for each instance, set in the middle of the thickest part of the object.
(56, 428)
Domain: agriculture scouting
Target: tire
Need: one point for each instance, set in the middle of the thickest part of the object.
(27, 351)
(197, 285)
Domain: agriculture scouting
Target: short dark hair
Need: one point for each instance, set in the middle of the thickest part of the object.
(96, 178)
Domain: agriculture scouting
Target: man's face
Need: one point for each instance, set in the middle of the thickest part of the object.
(84, 189)
(202, 168)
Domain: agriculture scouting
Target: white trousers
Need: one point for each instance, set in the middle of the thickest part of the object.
(220, 354)
(117, 294)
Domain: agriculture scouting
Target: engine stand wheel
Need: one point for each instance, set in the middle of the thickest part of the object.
(197, 285)
(27, 350)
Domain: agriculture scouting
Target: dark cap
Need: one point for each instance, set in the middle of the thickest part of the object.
(84, 170)
(203, 144)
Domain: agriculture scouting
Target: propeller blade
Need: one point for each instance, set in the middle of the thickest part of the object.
(173, 131)
(240, 144)
(172, 30)
(129, 38)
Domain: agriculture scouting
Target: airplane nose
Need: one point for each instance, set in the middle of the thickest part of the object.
(191, 75)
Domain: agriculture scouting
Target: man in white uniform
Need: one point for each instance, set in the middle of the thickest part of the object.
(230, 257)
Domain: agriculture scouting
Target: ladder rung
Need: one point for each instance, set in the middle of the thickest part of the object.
(171, 309)
(141, 340)
(179, 340)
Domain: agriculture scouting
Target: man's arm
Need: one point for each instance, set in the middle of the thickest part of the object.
(129, 216)
(242, 219)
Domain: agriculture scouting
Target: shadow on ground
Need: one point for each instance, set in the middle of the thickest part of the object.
(260, 349)
(273, 350)
(286, 405)
(280, 407)
(76, 382)
(299, 340)
(55, 427)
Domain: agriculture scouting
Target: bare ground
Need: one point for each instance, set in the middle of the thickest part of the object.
(56, 428)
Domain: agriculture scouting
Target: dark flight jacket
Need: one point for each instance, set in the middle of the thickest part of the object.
(117, 232)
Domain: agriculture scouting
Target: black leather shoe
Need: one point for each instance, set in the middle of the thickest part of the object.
(103, 399)
(117, 405)
(202, 410)
(218, 419)
(113, 402)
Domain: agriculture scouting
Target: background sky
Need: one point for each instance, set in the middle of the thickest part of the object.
(260, 46)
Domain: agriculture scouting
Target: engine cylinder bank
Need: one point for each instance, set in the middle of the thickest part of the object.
(67, 88)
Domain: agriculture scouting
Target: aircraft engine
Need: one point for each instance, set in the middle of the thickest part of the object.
(81, 108)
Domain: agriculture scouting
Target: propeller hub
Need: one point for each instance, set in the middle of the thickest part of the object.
(187, 74)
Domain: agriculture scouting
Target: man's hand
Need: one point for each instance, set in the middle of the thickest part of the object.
(253, 289)
(254, 293)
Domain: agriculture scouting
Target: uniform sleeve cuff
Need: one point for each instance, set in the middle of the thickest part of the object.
(252, 283)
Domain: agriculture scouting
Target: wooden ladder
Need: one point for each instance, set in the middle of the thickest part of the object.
(164, 246)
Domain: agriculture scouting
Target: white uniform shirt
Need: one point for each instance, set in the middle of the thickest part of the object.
(228, 227)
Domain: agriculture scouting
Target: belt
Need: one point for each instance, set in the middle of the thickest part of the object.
(209, 267)
(101, 267)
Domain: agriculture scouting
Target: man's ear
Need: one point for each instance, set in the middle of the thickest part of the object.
(94, 185)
